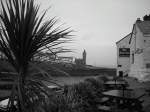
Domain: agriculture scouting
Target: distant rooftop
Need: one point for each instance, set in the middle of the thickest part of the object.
(144, 26)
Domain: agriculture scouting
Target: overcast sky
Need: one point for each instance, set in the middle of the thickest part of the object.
(98, 24)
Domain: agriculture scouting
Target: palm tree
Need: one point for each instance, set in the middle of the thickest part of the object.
(23, 34)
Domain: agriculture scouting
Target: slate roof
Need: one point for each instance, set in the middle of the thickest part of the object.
(144, 26)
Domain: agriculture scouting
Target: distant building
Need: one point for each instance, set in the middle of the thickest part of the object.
(81, 61)
(133, 51)
(66, 59)
(84, 57)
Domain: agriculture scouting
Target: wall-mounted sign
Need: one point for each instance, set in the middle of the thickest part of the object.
(124, 52)
(138, 51)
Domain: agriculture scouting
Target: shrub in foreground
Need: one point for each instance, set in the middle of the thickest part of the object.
(81, 97)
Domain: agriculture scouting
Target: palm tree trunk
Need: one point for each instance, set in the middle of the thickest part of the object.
(20, 91)
(12, 97)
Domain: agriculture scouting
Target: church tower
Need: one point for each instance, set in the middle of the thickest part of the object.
(84, 57)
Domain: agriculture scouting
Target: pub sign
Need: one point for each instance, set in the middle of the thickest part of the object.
(124, 52)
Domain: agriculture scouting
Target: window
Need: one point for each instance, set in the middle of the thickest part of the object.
(132, 58)
(148, 65)
(119, 65)
(120, 73)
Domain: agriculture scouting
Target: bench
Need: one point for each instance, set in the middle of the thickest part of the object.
(104, 108)
(103, 100)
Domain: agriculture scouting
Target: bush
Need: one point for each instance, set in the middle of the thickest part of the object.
(103, 78)
(98, 85)
(58, 103)
(81, 97)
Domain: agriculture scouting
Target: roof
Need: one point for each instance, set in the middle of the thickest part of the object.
(144, 26)
(123, 38)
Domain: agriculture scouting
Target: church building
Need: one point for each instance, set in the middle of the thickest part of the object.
(81, 61)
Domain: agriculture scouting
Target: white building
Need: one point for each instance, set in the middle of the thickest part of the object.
(137, 48)
(123, 56)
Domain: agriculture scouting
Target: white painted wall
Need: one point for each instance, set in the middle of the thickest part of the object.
(123, 61)
(136, 45)
(146, 57)
(140, 46)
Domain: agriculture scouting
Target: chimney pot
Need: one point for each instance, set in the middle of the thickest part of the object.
(138, 20)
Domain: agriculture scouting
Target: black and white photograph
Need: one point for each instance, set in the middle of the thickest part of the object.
(74, 55)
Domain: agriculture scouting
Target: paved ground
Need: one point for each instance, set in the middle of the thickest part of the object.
(141, 87)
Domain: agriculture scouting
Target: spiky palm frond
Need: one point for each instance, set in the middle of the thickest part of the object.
(23, 34)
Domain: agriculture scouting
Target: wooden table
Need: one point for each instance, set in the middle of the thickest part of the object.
(126, 94)
(116, 84)
(125, 99)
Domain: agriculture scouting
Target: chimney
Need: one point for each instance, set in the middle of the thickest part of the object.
(138, 20)
(146, 18)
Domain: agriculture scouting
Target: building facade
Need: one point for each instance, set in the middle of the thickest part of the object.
(137, 47)
(81, 61)
(123, 56)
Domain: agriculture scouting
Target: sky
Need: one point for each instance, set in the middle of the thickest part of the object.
(97, 25)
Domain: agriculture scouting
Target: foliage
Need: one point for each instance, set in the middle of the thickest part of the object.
(57, 103)
(5, 66)
(23, 34)
(95, 82)
(102, 78)
(83, 97)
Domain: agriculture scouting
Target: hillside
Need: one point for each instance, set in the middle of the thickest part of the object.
(61, 69)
